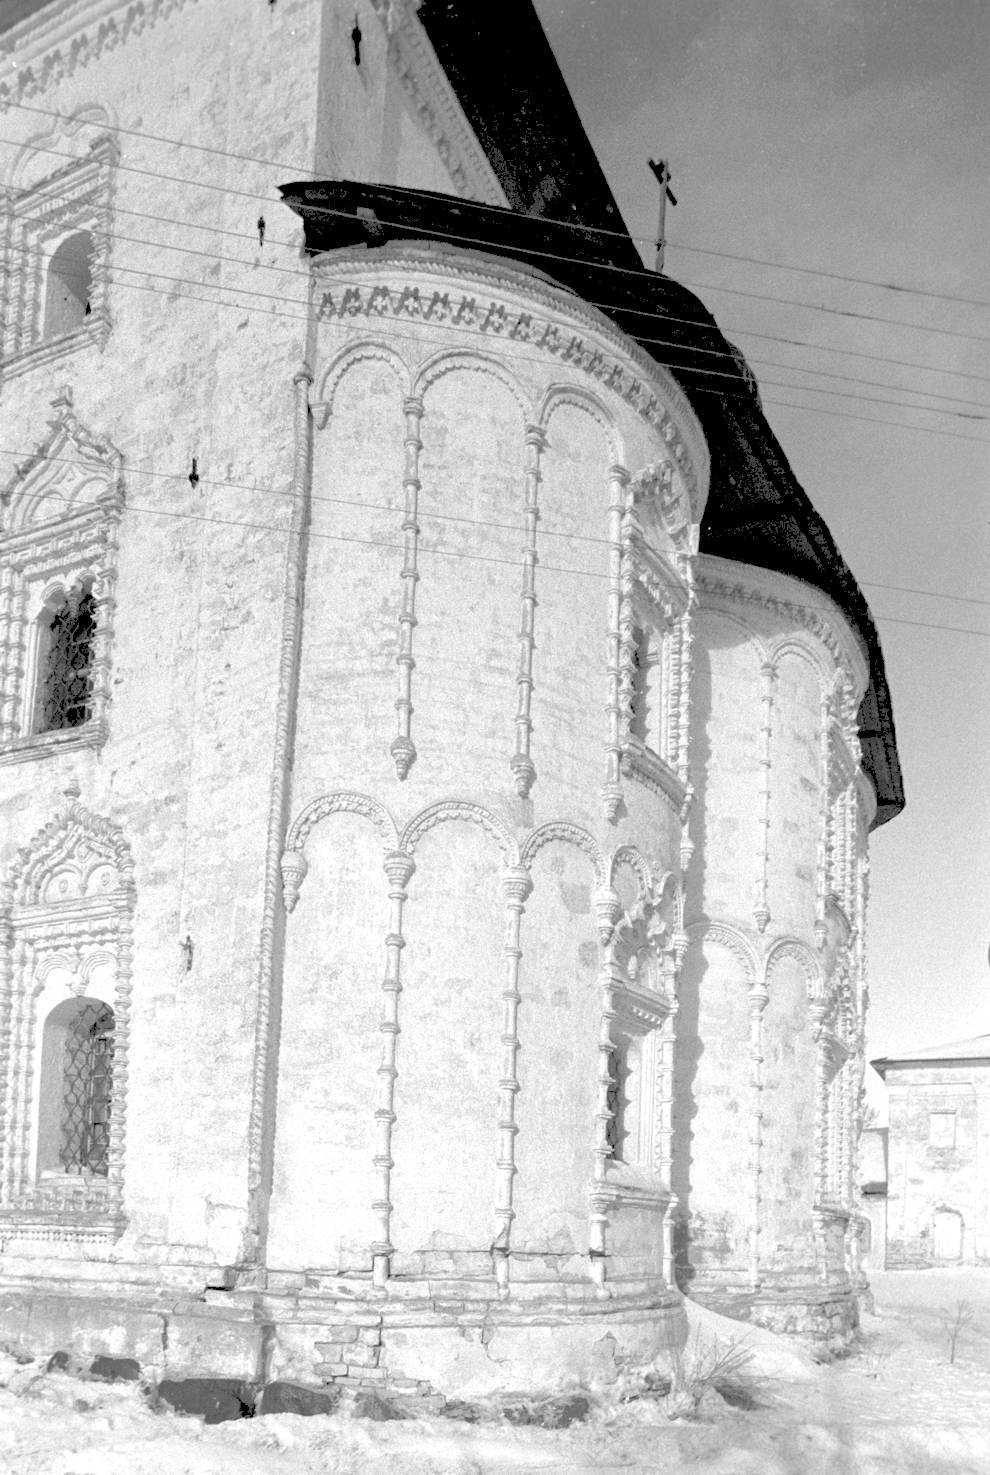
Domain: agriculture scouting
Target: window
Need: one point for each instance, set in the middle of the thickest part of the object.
(64, 1029)
(75, 1093)
(58, 544)
(70, 285)
(942, 1129)
(65, 659)
(647, 712)
(627, 1132)
(54, 294)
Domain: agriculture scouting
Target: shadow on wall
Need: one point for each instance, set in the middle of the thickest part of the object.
(690, 1046)
(720, 633)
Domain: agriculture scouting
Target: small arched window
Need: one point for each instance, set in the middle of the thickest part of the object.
(76, 1089)
(69, 285)
(65, 659)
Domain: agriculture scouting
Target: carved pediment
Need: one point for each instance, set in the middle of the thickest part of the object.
(71, 470)
(78, 857)
(662, 508)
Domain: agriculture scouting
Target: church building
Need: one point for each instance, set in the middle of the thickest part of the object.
(439, 738)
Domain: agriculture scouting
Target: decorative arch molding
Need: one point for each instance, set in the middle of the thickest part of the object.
(371, 350)
(628, 855)
(721, 583)
(606, 355)
(568, 834)
(756, 641)
(59, 519)
(792, 949)
(469, 361)
(66, 912)
(805, 649)
(577, 397)
(459, 809)
(734, 941)
(294, 865)
(344, 801)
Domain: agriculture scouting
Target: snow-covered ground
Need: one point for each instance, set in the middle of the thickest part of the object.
(898, 1407)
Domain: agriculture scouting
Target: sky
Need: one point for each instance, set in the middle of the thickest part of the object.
(849, 137)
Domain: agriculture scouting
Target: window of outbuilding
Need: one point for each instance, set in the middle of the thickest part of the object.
(942, 1129)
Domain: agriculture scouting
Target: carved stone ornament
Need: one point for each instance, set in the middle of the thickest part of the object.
(41, 214)
(59, 516)
(546, 323)
(66, 914)
(65, 38)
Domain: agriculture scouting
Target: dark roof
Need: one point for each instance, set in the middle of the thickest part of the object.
(14, 11)
(976, 1049)
(507, 80)
(757, 512)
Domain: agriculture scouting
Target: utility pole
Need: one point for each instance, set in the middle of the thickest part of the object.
(662, 171)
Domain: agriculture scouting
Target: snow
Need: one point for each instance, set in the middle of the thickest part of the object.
(898, 1407)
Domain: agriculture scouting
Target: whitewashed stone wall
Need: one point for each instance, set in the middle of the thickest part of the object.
(395, 573)
(770, 1045)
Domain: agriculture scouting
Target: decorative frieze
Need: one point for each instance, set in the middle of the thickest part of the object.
(603, 355)
(51, 47)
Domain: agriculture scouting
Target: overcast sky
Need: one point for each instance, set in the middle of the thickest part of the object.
(850, 137)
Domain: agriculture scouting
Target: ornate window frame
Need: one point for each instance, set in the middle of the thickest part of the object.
(59, 520)
(654, 612)
(65, 931)
(39, 217)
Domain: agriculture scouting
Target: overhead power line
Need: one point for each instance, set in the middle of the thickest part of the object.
(432, 514)
(298, 170)
(294, 273)
(545, 255)
(713, 374)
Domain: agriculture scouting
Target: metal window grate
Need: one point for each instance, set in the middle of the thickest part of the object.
(67, 675)
(87, 1077)
(615, 1102)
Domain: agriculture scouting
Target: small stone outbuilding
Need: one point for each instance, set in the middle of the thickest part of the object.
(937, 1195)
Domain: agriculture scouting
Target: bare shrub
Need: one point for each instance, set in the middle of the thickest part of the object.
(956, 1323)
(719, 1367)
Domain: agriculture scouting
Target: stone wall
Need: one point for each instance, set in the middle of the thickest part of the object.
(938, 1211)
(770, 1040)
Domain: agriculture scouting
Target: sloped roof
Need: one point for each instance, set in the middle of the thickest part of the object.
(976, 1048)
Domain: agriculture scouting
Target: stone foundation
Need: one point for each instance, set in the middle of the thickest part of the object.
(420, 1339)
(827, 1320)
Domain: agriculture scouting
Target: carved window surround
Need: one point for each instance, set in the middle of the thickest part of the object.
(654, 602)
(65, 930)
(74, 198)
(59, 518)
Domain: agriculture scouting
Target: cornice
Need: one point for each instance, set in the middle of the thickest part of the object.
(435, 103)
(46, 48)
(386, 281)
(722, 581)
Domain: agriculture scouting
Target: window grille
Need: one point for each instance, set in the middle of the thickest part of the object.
(87, 1077)
(66, 674)
(615, 1101)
